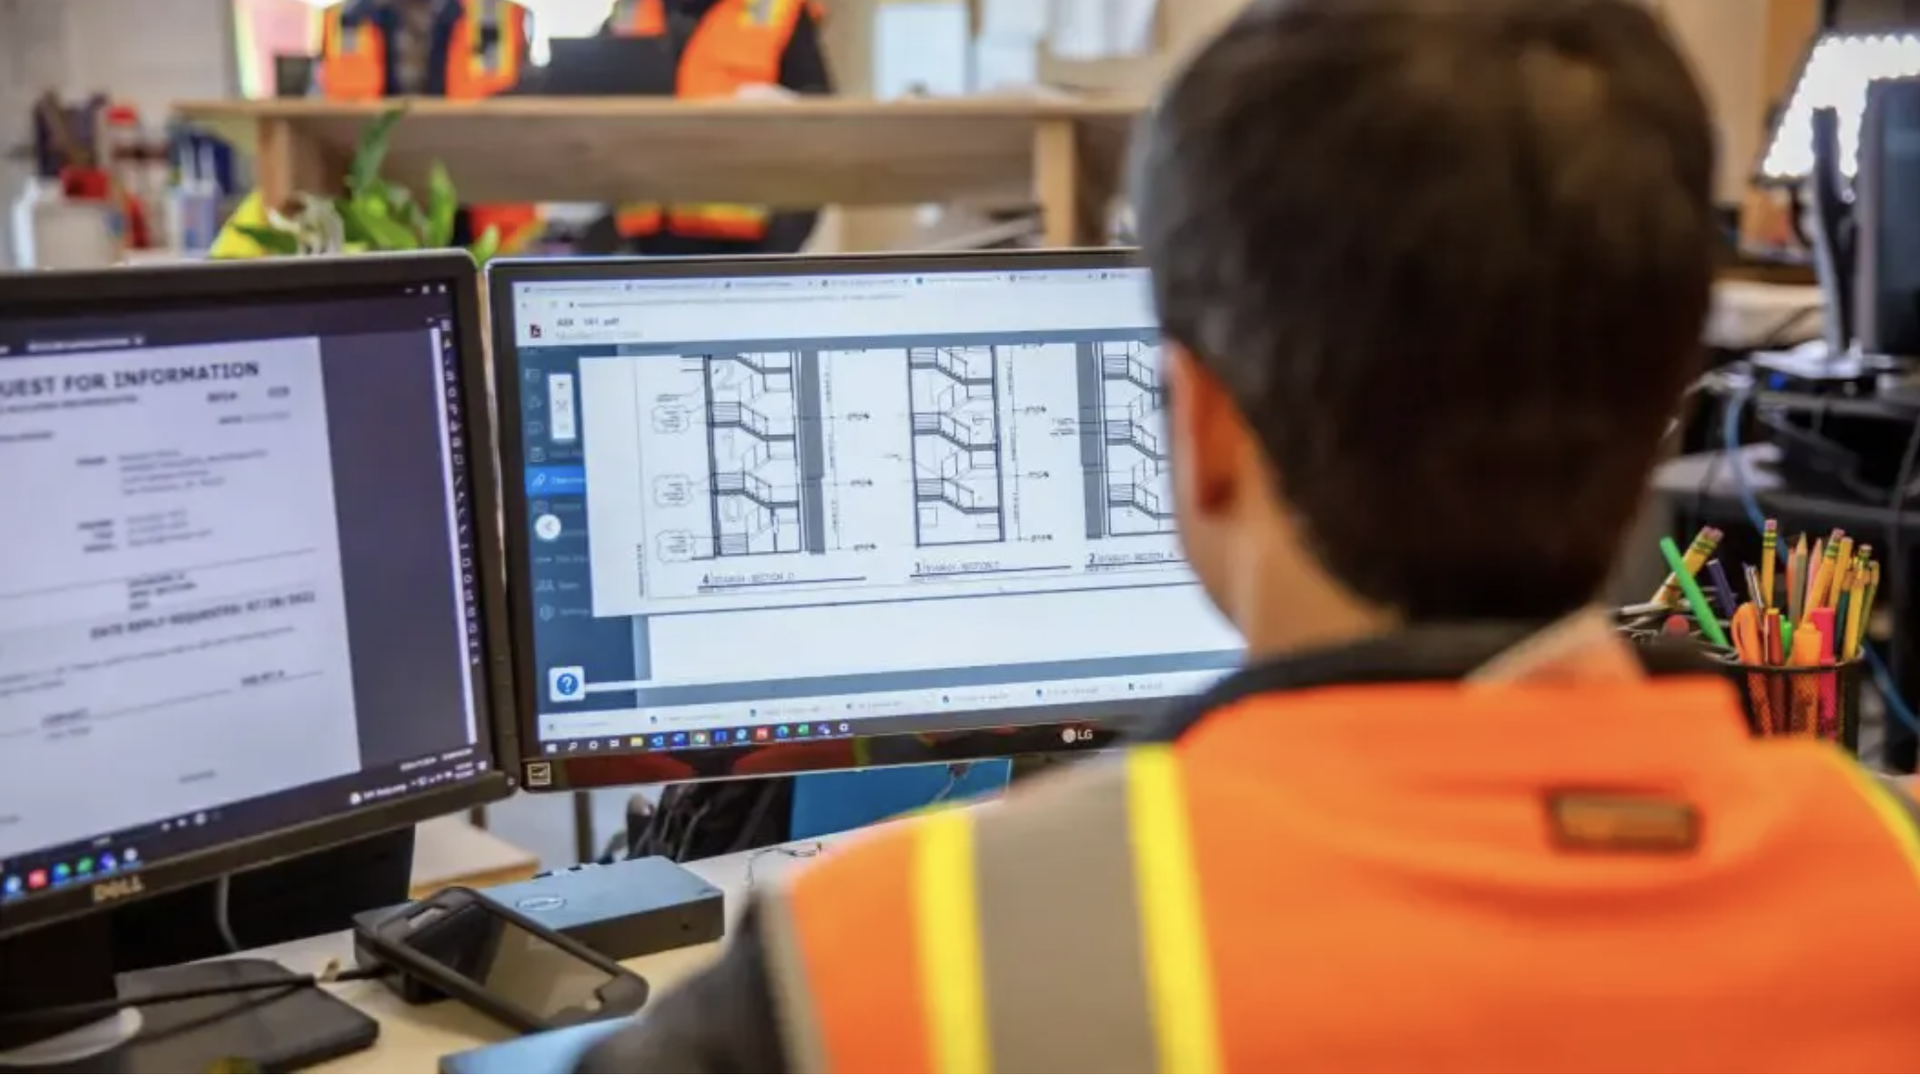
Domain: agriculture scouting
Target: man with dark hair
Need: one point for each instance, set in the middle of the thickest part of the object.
(1431, 274)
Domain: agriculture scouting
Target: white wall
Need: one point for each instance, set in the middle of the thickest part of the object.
(1727, 42)
(146, 52)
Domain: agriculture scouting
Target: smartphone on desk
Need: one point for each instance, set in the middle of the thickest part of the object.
(503, 964)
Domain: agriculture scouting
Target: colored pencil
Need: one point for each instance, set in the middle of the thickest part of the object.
(1722, 588)
(1856, 610)
(1822, 580)
(1690, 588)
(1796, 579)
(1696, 557)
(1769, 542)
(1873, 592)
(1842, 566)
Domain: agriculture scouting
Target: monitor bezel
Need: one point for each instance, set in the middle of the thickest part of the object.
(52, 293)
(1030, 731)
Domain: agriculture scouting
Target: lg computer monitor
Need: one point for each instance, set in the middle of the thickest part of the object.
(246, 590)
(779, 515)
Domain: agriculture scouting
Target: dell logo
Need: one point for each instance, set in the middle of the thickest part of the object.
(115, 890)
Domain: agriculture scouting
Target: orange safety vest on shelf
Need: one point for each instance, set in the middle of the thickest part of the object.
(484, 49)
(738, 43)
(1382, 878)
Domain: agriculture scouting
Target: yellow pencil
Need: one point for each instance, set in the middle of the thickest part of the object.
(1843, 565)
(1769, 544)
(1695, 559)
(1822, 583)
(1856, 610)
(1873, 592)
(1809, 600)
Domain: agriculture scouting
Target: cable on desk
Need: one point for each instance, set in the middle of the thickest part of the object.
(1737, 398)
(332, 974)
(222, 913)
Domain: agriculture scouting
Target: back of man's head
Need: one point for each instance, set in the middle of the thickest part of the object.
(1449, 260)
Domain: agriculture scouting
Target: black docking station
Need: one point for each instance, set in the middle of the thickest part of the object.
(624, 910)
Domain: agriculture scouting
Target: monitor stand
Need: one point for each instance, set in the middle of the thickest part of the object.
(70, 965)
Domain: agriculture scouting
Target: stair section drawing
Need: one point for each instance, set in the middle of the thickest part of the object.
(1123, 440)
(959, 490)
(763, 455)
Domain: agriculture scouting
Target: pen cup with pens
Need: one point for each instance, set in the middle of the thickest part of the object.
(1817, 701)
(1793, 639)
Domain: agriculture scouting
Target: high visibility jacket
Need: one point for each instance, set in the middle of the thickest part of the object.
(484, 44)
(738, 43)
(1416, 876)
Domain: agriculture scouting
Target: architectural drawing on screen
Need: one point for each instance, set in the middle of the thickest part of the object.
(959, 491)
(763, 455)
(1136, 497)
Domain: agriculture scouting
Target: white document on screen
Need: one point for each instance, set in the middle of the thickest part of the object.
(173, 626)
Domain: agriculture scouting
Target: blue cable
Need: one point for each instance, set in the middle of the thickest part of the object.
(1730, 436)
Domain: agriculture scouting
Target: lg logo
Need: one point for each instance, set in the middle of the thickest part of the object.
(1072, 736)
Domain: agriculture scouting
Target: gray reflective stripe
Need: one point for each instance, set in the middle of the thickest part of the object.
(787, 977)
(1064, 972)
(1903, 796)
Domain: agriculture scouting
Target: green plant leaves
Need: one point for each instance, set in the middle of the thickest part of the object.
(371, 154)
(272, 240)
(488, 245)
(442, 203)
(368, 222)
(374, 214)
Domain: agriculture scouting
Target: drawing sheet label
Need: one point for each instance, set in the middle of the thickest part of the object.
(173, 628)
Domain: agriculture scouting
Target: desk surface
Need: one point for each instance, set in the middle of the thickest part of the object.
(413, 1039)
(812, 151)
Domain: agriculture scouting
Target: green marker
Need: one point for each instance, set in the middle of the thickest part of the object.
(1702, 613)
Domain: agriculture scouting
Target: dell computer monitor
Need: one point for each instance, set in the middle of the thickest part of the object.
(779, 515)
(245, 598)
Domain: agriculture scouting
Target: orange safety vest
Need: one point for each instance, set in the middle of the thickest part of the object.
(738, 43)
(1430, 877)
(353, 67)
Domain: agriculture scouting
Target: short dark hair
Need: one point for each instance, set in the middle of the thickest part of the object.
(1451, 259)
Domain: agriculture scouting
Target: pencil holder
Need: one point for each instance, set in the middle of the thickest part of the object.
(1814, 701)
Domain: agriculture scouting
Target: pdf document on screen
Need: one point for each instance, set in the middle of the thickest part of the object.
(173, 623)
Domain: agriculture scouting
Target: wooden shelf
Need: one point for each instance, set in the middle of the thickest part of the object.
(1063, 155)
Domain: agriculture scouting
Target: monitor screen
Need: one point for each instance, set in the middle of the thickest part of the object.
(791, 506)
(237, 594)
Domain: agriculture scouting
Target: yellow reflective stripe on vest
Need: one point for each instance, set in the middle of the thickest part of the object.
(1060, 931)
(1892, 803)
(948, 914)
(1172, 924)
